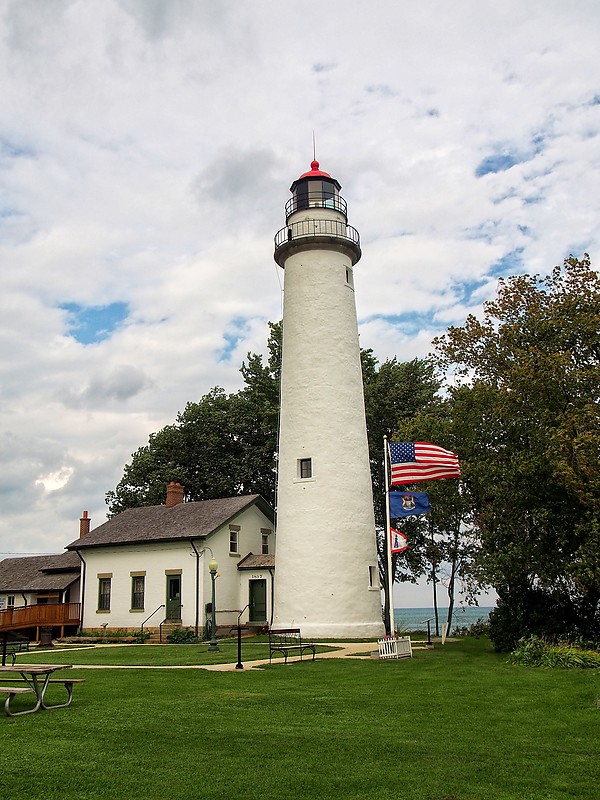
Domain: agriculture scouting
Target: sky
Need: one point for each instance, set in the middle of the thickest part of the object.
(146, 153)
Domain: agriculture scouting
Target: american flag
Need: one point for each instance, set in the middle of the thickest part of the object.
(421, 461)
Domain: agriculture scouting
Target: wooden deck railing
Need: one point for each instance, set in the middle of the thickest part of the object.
(34, 616)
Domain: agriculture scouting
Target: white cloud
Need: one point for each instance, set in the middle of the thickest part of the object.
(146, 150)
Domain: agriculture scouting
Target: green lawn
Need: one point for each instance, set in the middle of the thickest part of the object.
(453, 723)
(165, 655)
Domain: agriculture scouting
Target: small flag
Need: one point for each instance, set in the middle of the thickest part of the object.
(398, 541)
(408, 504)
(421, 461)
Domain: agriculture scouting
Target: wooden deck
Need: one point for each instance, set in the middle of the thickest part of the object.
(38, 616)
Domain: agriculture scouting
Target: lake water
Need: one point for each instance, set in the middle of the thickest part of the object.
(414, 619)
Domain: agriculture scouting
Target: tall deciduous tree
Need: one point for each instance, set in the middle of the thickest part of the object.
(452, 539)
(394, 392)
(526, 383)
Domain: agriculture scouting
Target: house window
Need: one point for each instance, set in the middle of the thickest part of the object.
(305, 467)
(137, 592)
(233, 541)
(265, 544)
(104, 594)
(11, 601)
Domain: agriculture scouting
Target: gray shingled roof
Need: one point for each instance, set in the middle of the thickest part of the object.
(39, 573)
(161, 524)
(251, 561)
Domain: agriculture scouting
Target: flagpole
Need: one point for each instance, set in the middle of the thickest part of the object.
(388, 540)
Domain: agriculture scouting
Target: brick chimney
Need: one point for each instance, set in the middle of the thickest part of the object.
(84, 524)
(174, 494)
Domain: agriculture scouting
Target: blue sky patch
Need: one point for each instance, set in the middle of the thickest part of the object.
(498, 162)
(506, 157)
(236, 331)
(510, 264)
(93, 324)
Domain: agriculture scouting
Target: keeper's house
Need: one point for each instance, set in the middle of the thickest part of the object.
(149, 565)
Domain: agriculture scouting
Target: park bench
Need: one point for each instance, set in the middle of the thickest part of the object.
(10, 648)
(288, 640)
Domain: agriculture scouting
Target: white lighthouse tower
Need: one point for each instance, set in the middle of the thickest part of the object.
(326, 577)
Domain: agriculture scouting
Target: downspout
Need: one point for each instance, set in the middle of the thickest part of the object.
(272, 574)
(196, 626)
(82, 592)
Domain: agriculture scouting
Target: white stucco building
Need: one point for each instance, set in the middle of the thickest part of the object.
(150, 564)
(327, 578)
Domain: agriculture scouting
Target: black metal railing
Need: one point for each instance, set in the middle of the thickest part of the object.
(317, 200)
(308, 228)
(146, 620)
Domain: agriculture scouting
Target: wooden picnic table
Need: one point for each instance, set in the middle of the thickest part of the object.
(35, 679)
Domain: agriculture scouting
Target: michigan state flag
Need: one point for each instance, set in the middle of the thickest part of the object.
(408, 504)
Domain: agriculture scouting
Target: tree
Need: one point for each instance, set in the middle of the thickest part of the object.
(394, 392)
(452, 540)
(525, 381)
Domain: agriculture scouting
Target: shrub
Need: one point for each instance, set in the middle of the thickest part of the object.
(554, 615)
(534, 651)
(182, 636)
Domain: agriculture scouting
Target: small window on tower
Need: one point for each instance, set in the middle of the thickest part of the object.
(373, 579)
(305, 467)
(349, 278)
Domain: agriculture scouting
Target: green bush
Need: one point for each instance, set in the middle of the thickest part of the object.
(182, 636)
(554, 615)
(534, 651)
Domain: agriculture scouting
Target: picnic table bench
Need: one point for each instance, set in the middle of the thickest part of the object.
(287, 640)
(10, 647)
(28, 683)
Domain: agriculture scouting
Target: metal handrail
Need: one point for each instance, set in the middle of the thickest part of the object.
(311, 228)
(316, 200)
(146, 620)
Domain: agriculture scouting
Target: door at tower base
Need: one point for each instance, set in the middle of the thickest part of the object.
(326, 579)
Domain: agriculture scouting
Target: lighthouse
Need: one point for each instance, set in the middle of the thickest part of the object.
(326, 580)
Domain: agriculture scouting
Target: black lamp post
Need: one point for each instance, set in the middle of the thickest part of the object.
(213, 646)
(239, 664)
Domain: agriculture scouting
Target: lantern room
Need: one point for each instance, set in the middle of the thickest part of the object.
(315, 189)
